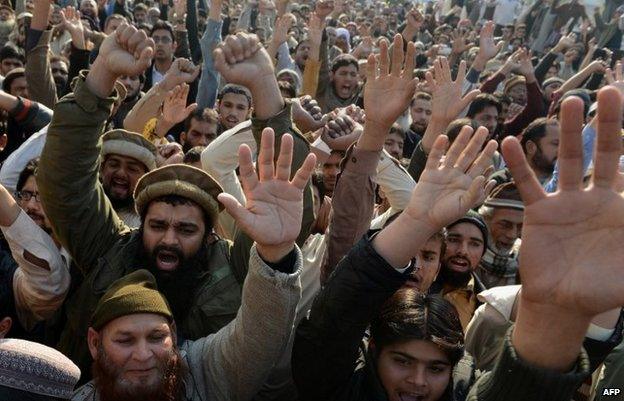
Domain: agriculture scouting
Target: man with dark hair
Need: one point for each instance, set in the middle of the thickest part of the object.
(10, 59)
(331, 170)
(395, 141)
(60, 72)
(485, 109)
(420, 113)
(234, 106)
(193, 156)
(200, 128)
(140, 13)
(165, 46)
(540, 142)
(15, 83)
(134, 86)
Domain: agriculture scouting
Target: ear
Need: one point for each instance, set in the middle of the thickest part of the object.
(182, 138)
(531, 148)
(5, 326)
(93, 340)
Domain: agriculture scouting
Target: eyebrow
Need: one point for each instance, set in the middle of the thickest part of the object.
(411, 358)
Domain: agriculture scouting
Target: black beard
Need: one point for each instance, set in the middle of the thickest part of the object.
(169, 388)
(178, 286)
(541, 164)
(120, 203)
(453, 278)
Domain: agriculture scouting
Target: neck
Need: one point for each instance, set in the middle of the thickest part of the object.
(163, 66)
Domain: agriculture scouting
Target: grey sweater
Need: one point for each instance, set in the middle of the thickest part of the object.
(232, 364)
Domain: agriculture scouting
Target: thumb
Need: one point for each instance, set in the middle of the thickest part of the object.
(191, 108)
(145, 59)
(235, 209)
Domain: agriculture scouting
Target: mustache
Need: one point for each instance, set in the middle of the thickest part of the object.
(171, 249)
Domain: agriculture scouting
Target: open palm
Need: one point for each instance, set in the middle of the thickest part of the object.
(274, 208)
(388, 94)
(448, 188)
(447, 101)
(571, 254)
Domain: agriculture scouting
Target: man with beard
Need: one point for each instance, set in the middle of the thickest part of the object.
(540, 142)
(126, 157)
(177, 203)
(466, 241)
(502, 212)
(37, 268)
(420, 112)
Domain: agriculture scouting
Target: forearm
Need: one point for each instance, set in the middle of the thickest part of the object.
(576, 80)
(38, 73)
(435, 128)
(544, 65)
(30, 116)
(42, 280)
(40, 14)
(182, 39)
(145, 109)
(373, 137)
(209, 80)
(353, 203)
(9, 209)
(311, 77)
(193, 34)
(266, 96)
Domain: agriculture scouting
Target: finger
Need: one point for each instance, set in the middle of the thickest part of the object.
(125, 35)
(469, 97)
(371, 68)
(459, 144)
(236, 48)
(570, 155)
(397, 56)
(265, 158)
(248, 176)
(430, 80)
(384, 60)
(184, 92)
(410, 61)
(609, 76)
(145, 56)
(529, 187)
(470, 153)
(302, 176)
(189, 109)
(284, 159)
(483, 164)
(219, 60)
(243, 41)
(475, 193)
(437, 151)
(446, 69)
(133, 42)
(618, 71)
(461, 72)
(608, 141)
(243, 217)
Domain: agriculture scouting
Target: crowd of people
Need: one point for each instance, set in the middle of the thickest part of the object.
(314, 200)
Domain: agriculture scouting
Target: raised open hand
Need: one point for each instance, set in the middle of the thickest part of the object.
(272, 215)
(387, 94)
(175, 109)
(571, 241)
(241, 59)
(487, 48)
(128, 51)
(460, 42)
(282, 27)
(450, 185)
(564, 43)
(525, 65)
(571, 263)
(324, 8)
(447, 100)
(315, 28)
(182, 71)
(70, 20)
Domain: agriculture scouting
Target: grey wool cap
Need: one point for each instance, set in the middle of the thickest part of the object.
(35, 368)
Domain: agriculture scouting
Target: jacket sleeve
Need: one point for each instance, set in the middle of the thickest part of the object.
(183, 49)
(78, 61)
(42, 279)
(220, 160)
(38, 72)
(281, 124)
(81, 215)
(323, 72)
(326, 344)
(15, 163)
(193, 34)
(353, 202)
(490, 85)
(209, 81)
(515, 380)
(544, 64)
(30, 116)
(237, 360)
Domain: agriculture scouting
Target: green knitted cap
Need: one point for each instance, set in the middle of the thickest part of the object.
(134, 293)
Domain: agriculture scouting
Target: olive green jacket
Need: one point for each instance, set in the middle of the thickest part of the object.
(102, 246)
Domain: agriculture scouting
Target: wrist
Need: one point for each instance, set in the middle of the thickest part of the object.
(100, 80)
(549, 336)
(274, 253)
(530, 78)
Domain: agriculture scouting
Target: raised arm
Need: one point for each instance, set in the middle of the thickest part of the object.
(209, 80)
(263, 325)
(326, 344)
(353, 200)
(561, 294)
(312, 71)
(80, 213)
(42, 279)
(38, 72)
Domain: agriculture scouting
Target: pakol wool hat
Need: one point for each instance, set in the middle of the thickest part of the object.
(130, 144)
(513, 81)
(183, 180)
(505, 196)
(134, 293)
(34, 368)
